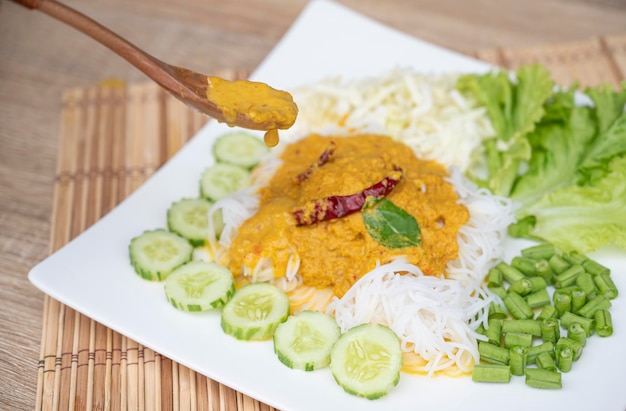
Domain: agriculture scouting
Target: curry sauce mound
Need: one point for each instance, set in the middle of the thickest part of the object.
(337, 252)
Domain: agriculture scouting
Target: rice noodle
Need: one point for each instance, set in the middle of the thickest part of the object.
(431, 315)
(480, 240)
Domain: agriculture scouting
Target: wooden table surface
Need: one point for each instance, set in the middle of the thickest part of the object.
(39, 58)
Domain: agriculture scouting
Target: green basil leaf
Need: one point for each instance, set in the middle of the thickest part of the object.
(389, 225)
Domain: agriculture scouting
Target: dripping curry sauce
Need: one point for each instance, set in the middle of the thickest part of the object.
(253, 105)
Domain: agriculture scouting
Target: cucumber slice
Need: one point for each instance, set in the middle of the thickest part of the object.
(199, 286)
(221, 179)
(366, 360)
(155, 254)
(239, 148)
(304, 341)
(189, 218)
(255, 311)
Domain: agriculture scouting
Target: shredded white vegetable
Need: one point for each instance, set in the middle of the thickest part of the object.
(424, 111)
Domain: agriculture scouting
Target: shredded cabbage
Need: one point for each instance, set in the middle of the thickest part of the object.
(424, 111)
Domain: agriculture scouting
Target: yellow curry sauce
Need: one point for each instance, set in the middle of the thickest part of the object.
(262, 107)
(336, 253)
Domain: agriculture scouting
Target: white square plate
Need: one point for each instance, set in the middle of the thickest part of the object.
(92, 274)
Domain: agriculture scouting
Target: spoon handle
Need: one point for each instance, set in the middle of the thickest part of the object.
(31, 4)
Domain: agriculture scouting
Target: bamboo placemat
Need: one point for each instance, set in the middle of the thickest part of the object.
(113, 137)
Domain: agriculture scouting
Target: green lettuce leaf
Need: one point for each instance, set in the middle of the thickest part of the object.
(582, 218)
(608, 111)
(514, 107)
(558, 148)
(608, 105)
(563, 162)
(572, 145)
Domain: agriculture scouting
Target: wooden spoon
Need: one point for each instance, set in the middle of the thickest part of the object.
(242, 103)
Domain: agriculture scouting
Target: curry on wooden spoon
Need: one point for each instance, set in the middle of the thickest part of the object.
(242, 103)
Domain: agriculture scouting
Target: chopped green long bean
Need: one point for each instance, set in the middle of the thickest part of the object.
(509, 273)
(544, 270)
(498, 373)
(548, 311)
(579, 302)
(517, 359)
(493, 354)
(595, 268)
(494, 331)
(575, 346)
(538, 283)
(536, 350)
(517, 306)
(562, 302)
(568, 277)
(494, 278)
(604, 323)
(517, 339)
(546, 361)
(528, 285)
(524, 264)
(564, 359)
(499, 291)
(577, 332)
(568, 289)
(586, 283)
(538, 298)
(543, 378)
(599, 302)
(550, 330)
(496, 311)
(575, 257)
(558, 264)
(522, 287)
(579, 298)
(532, 327)
(540, 251)
(605, 284)
(569, 318)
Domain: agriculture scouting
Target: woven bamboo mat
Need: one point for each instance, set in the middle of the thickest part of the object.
(113, 137)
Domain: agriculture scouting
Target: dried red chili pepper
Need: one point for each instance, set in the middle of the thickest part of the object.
(323, 159)
(332, 207)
